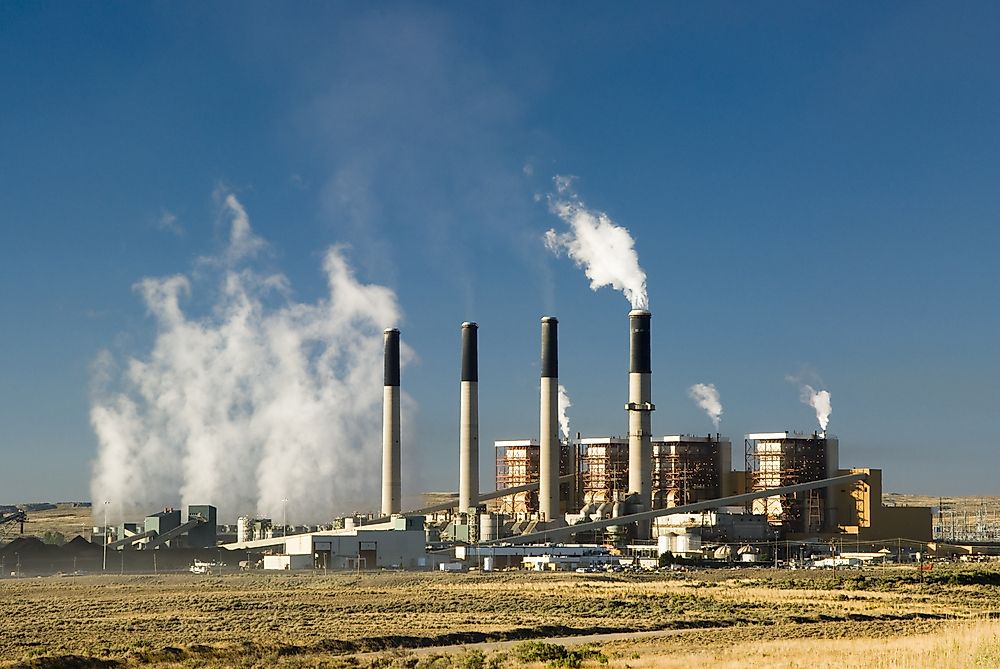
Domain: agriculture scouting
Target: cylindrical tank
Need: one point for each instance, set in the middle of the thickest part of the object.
(662, 544)
(682, 543)
(487, 564)
(244, 529)
(487, 527)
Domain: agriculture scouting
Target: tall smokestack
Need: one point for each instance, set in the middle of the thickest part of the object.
(391, 479)
(639, 407)
(468, 475)
(548, 463)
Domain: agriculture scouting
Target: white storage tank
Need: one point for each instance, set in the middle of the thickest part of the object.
(244, 529)
(487, 527)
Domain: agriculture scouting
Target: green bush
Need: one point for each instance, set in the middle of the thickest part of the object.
(538, 651)
(54, 538)
(556, 655)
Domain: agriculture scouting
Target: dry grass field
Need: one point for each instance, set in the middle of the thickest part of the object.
(874, 618)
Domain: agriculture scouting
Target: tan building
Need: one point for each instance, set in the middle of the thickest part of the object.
(861, 513)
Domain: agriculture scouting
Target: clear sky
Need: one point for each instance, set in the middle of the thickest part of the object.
(812, 189)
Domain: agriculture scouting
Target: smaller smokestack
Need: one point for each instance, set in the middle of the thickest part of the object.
(548, 450)
(391, 478)
(468, 476)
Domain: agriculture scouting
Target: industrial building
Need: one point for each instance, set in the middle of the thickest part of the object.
(688, 469)
(164, 530)
(685, 469)
(603, 470)
(775, 459)
(364, 548)
(518, 464)
(399, 543)
(863, 517)
(162, 522)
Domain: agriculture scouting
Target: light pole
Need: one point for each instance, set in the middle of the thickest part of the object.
(284, 516)
(104, 566)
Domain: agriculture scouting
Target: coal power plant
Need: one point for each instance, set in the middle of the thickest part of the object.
(576, 502)
(630, 498)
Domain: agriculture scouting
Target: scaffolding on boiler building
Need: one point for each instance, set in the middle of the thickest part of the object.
(689, 469)
(774, 460)
(517, 465)
(603, 469)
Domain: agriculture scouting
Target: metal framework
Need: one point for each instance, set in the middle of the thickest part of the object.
(776, 462)
(685, 472)
(603, 470)
(8, 521)
(517, 465)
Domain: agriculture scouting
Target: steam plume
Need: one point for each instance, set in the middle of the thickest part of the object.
(564, 404)
(707, 397)
(604, 250)
(818, 400)
(260, 399)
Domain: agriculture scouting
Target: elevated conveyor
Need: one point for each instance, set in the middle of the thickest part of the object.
(161, 539)
(128, 541)
(156, 540)
(9, 520)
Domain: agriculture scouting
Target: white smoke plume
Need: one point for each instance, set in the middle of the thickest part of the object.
(818, 400)
(259, 400)
(604, 250)
(707, 397)
(564, 405)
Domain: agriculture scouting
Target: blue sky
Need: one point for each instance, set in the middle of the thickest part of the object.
(812, 190)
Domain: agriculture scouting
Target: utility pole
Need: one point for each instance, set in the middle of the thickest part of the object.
(104, 566)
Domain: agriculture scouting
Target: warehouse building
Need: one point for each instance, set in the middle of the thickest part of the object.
(401, 546)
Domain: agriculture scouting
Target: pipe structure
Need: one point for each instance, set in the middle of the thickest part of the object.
(468, 447)
(639, 407)
(647, 516)
(391, 478)
(548, 450)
